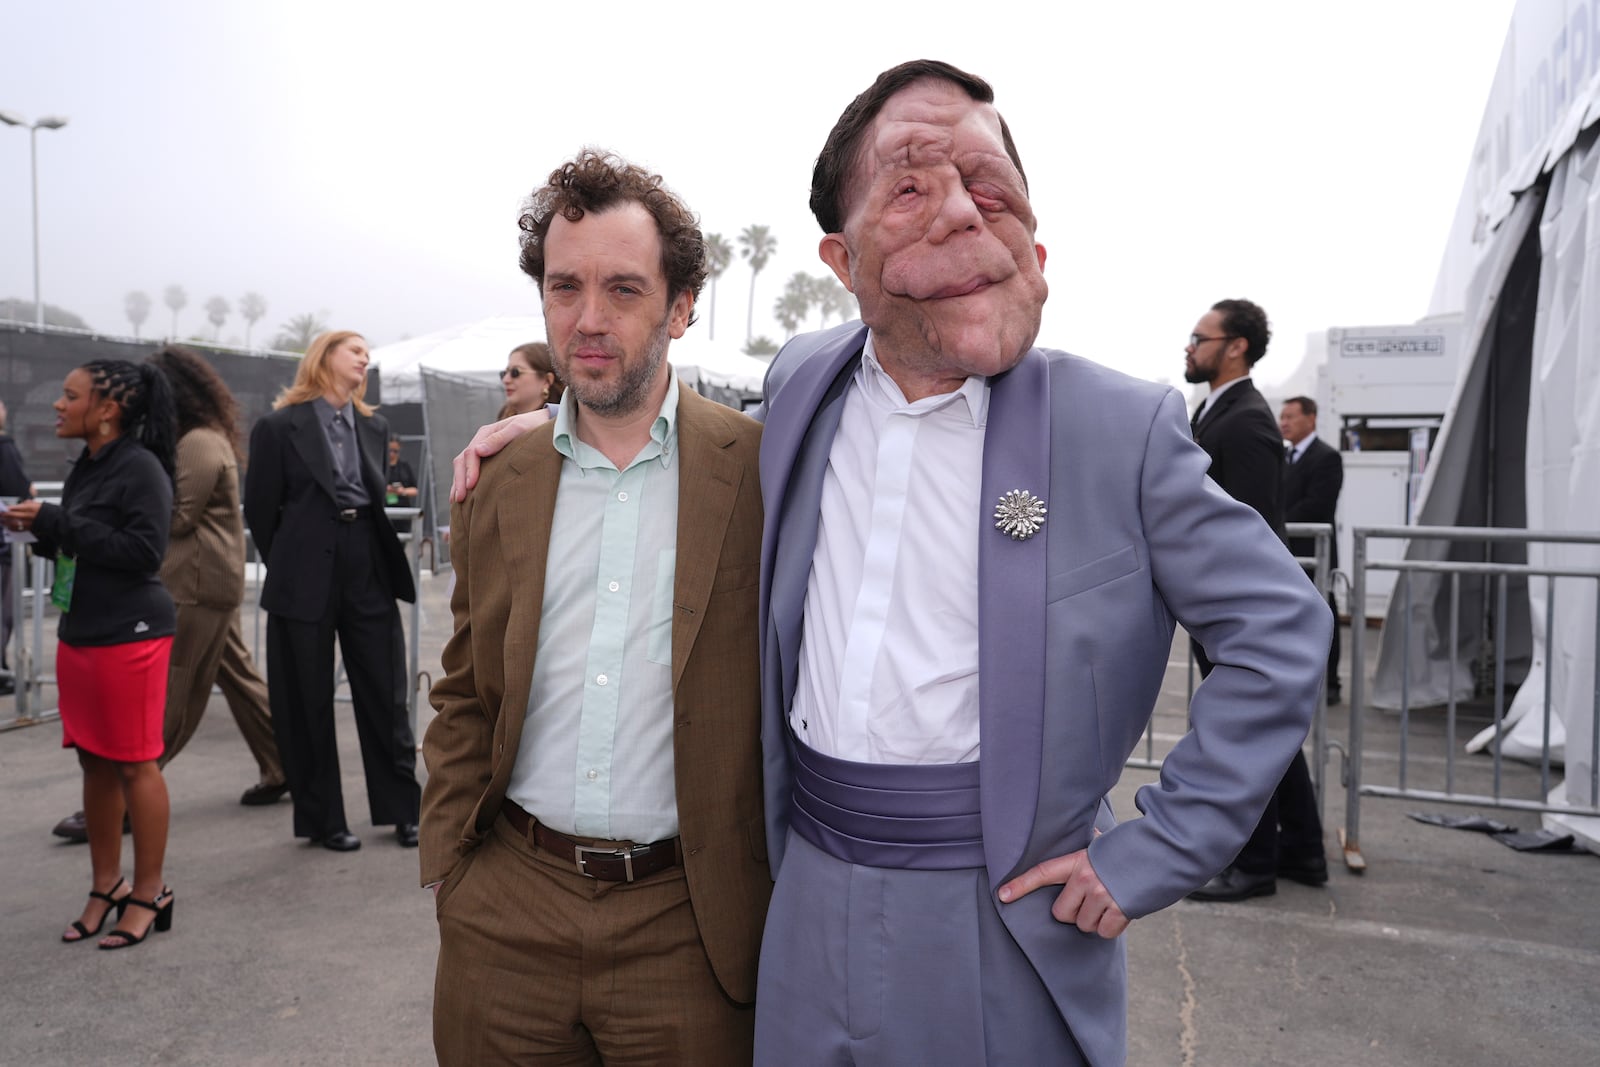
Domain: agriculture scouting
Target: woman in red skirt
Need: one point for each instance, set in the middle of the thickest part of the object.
(108, 536)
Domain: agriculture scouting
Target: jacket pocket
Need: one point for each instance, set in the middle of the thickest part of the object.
(1108, 568)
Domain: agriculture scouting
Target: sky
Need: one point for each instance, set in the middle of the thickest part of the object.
(365, 161)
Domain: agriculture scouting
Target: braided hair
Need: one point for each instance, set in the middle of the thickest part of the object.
(144, 396)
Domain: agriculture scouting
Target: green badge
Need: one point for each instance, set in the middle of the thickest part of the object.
(61, 588)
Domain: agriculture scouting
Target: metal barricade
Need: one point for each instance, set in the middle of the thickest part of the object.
(1319, 567)
(1355, 786)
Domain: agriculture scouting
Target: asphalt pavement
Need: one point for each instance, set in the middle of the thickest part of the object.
(1450, 950)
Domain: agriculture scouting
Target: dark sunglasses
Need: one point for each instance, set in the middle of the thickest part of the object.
(512, 372)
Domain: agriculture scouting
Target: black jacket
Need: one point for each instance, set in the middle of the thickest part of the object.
(115, 511)
(1311, 493)
(1246, 450)
(293, 516)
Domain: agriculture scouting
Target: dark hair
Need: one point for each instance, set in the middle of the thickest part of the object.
(830, 178)
(1242, 318)
(537, 353)
(145, 398)
(199, 395)
(596, 181)
(1307, 405)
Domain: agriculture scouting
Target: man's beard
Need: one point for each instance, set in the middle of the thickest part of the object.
(1195, 374)
(630, 390)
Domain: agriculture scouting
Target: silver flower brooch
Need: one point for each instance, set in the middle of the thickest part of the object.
(1019, 514)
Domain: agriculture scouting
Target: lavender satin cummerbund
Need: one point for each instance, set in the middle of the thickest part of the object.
(902, 816)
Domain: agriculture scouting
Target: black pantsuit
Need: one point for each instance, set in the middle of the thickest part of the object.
(328, 576)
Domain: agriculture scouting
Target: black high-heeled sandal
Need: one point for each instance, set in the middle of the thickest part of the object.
(117, 904)
(162, 906)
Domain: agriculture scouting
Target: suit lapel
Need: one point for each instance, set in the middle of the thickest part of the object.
(801, 428)
(708, 486)
(1011, 613)
(523, 512)
(312, 444)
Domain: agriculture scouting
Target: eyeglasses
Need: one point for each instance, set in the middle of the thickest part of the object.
(1195, 340)
(512, 372)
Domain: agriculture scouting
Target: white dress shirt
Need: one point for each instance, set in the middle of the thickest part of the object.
(596, 752)
(889, 657)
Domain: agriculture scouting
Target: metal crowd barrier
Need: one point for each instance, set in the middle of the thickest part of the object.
(1319, 566)
(28, 602)
(1356, 788)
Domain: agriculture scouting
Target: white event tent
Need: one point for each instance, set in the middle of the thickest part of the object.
(1520, 447)
(478, 350)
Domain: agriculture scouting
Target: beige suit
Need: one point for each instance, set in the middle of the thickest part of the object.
(499, 541)
(204, 572)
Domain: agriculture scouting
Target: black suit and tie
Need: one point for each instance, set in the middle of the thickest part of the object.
(314, 501)
(1239, 432)
(1311, 487)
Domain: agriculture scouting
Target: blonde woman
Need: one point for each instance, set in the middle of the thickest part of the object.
(313, 497)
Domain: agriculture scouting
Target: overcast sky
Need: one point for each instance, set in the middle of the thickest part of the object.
(366, 160)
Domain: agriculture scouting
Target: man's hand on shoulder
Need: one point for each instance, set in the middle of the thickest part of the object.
(486, 442)
(1084, 900)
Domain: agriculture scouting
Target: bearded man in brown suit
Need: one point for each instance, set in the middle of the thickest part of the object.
(592, 820)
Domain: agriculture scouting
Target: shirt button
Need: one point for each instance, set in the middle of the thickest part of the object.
(614, 586)
(600, 679)
(623, 496)
(593, 774)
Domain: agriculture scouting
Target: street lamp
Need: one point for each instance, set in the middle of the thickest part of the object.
(49, 122)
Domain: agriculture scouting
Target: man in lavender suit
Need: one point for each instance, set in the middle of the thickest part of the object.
(978, 548)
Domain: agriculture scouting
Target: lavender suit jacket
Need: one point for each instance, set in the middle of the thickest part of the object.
(1076, 626)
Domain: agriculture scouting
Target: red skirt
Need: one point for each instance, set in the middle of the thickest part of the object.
(114, 698)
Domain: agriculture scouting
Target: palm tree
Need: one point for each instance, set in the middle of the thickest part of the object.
(175, 298)
(217, 310)
(137, 305)
(791, 308)
(832, 299)
(760, 347)
(296, 334)
(756, 244)
(252, 306)
(719, 253)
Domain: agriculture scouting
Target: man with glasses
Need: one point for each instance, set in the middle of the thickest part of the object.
(1236, 427)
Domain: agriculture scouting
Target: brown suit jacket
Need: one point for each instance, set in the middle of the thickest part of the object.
(204, 563)
(499, 538)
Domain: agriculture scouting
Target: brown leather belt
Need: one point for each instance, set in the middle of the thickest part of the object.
(607, 861)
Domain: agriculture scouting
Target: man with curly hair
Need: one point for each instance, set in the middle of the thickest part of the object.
(592, 820)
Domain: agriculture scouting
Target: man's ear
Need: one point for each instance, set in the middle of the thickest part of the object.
(678, 314)
(836, 255)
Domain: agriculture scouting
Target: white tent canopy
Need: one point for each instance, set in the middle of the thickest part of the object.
(478, 350)
(1521, 445)
(472, 349)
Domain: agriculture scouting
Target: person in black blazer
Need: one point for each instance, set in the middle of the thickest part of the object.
(313, 499)
(1234, 424)
(1311, 485)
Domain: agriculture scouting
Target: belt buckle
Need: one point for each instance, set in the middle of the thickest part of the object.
(347, 515)
(625, 854)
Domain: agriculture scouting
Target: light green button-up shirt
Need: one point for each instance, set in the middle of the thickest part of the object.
(596, 753)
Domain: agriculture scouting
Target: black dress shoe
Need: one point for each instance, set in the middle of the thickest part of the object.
(1233, 884)
(406, 834)
(338, 841)
(1311, 870)
(76, 829)
(1335, 696)
(263, 793)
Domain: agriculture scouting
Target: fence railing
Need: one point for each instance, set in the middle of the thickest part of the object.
(1499, 573)
(30, 679)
